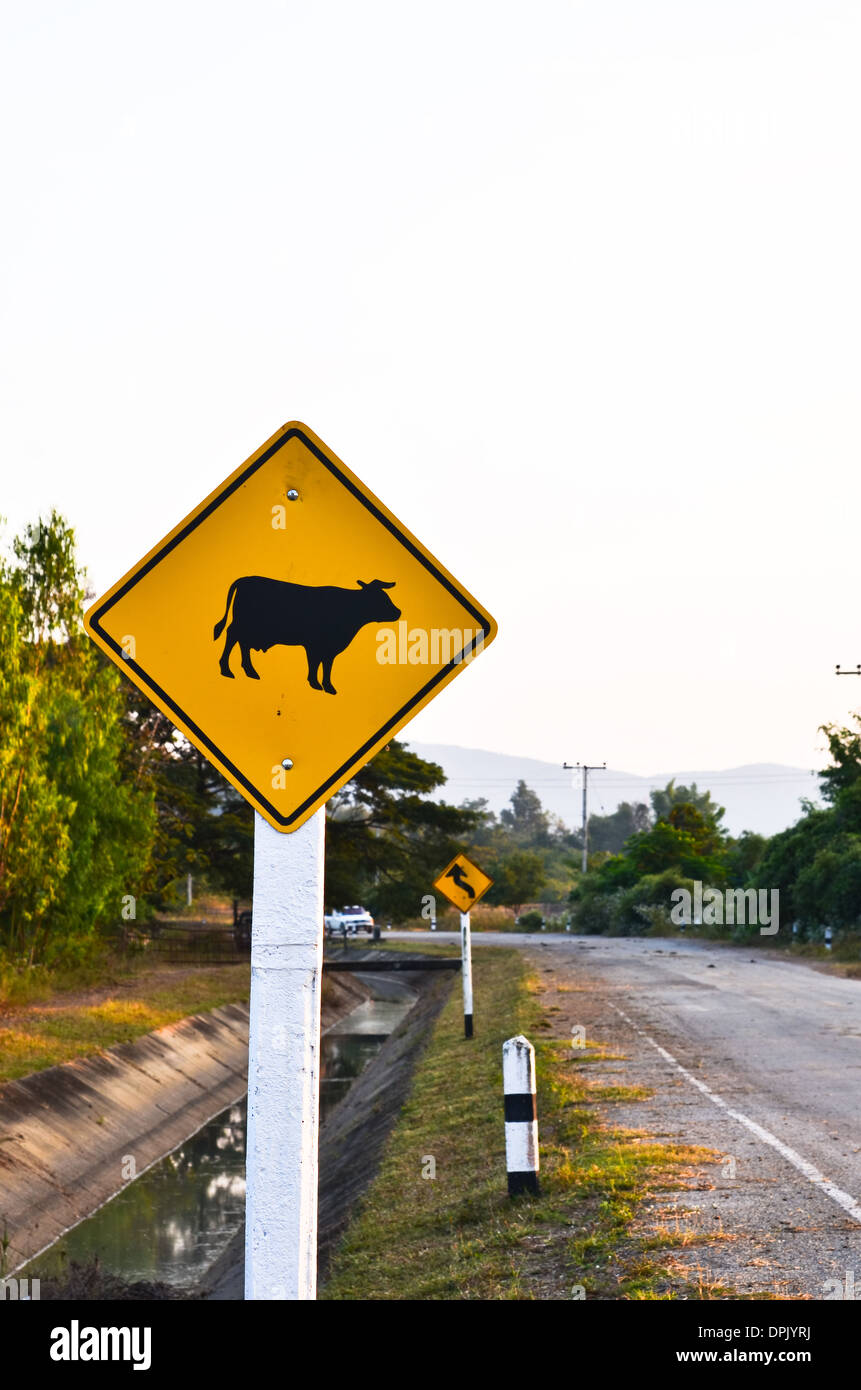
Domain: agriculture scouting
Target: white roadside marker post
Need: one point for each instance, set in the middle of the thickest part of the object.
(466, 971)
(284, 1061)
(521, 1115)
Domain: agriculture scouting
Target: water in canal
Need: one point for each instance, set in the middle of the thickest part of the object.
(172, 1222)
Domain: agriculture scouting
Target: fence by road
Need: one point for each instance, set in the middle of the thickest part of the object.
(182, 943)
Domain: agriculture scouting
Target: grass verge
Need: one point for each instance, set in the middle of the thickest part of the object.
(457, 1235)
(39, 1036)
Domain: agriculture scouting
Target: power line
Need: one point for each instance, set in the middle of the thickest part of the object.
(642, 783)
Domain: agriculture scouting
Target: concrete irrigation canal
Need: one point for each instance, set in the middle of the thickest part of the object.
(180, 1222)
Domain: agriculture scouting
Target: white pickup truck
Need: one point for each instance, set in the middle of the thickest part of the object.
(348, 919)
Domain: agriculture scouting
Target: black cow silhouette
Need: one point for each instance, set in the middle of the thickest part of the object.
(271, 612)
(460, 879)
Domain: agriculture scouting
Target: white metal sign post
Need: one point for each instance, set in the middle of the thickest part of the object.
(466, 971)
(284, 1062)
(464, 883)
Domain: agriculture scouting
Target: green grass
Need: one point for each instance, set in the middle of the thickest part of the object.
(36, 1037)
(459, 1235)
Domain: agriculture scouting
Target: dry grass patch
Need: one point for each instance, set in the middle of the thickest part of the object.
(44, 1035)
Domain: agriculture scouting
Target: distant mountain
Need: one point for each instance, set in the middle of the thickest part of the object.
(759, 796)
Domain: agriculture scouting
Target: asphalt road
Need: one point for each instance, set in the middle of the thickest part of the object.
(755, 1057)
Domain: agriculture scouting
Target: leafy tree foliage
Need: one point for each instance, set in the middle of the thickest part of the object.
(844, 774)
(610, 832)
(526, 822)
(203, 825)
(664, 799)
(685, 840)
(816, 863)
(518, 878)
(75, 833)
(628, 891)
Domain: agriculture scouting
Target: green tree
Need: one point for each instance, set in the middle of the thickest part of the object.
(518, 878)
(203, 825)
(788, 854)
(665, 798)
(743, 856)
(610, 832)
(85, 829)
(844, 746)
(827, 891)
(685, 840)
(626, 891)
(34, 814)
(814, 864)
(526, 822)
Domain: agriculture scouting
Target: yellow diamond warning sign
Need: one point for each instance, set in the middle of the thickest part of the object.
(290, 626)
(463, 883)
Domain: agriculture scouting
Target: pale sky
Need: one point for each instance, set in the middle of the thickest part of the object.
(574, 288)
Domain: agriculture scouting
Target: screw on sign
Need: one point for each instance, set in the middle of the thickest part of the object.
(463, 883)
(254, 627)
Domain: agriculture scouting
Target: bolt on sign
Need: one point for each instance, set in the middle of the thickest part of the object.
(463, 883)
(290, 626)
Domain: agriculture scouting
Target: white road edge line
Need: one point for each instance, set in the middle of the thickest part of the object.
(807, 1169)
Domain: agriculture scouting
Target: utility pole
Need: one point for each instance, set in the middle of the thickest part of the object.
(586, 768)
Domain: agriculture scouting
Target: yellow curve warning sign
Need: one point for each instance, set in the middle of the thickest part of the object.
(463, 883)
